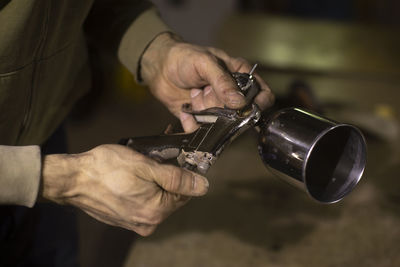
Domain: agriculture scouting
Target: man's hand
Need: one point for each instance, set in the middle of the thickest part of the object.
(119, 186)
(179, 73)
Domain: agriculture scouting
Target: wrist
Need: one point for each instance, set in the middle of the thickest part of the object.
(59, 177)
(155, 54)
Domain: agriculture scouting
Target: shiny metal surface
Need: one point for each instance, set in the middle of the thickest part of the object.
(324, 158)
(247, 84)
(198, 150)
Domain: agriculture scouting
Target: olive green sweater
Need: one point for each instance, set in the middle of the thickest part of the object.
(44, 71)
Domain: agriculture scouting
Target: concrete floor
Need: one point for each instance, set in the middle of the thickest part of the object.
(250, 218)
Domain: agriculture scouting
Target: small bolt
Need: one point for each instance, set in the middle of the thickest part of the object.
(203, 166)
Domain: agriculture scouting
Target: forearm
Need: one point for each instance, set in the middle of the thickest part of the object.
(20, 171)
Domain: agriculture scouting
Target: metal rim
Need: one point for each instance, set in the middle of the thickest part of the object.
(316, 141)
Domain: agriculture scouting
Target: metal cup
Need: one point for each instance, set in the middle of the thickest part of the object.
(320, 156)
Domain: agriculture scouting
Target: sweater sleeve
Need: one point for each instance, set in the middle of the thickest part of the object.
(20, 171)
(124, 27)
(138, 37)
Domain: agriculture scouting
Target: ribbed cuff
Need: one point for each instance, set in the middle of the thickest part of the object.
(137, 38)
(20, 171)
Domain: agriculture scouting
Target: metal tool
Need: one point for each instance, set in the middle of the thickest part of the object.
(197, 151)
(324, 158)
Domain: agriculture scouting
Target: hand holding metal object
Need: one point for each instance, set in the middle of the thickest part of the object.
(324, 158)
(197, 151)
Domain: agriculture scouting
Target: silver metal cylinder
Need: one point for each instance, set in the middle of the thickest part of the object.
(322, 157)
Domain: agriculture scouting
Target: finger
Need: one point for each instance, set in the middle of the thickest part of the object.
(210, 99)
(265, 98)
(233, 64)
(222, 82)
(180, 181)
(189, 124)
(196, 96)
(176, 200)
(238, 65)
(142, 229)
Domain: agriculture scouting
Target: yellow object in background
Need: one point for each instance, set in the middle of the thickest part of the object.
(384, 111)
(127, 87)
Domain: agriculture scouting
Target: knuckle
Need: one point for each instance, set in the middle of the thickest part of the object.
(207, 57)
(155, 219)
(225, 82)
(242, 62)
(224, 78)
(175, 181)
(145, 231)
(271, 99)
(218, 52)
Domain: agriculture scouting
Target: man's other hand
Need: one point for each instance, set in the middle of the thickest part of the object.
(178, 73)
(119, 186)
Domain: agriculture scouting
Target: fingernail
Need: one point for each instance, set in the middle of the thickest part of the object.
(233, 93)
(236, 99)
(207, 90)
(194, 92)
(184, 116)
(200, 186)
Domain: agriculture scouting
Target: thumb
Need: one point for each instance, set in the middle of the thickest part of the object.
(222, 83)
(180, 181)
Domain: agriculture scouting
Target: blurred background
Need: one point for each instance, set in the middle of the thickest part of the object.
(345, 56)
